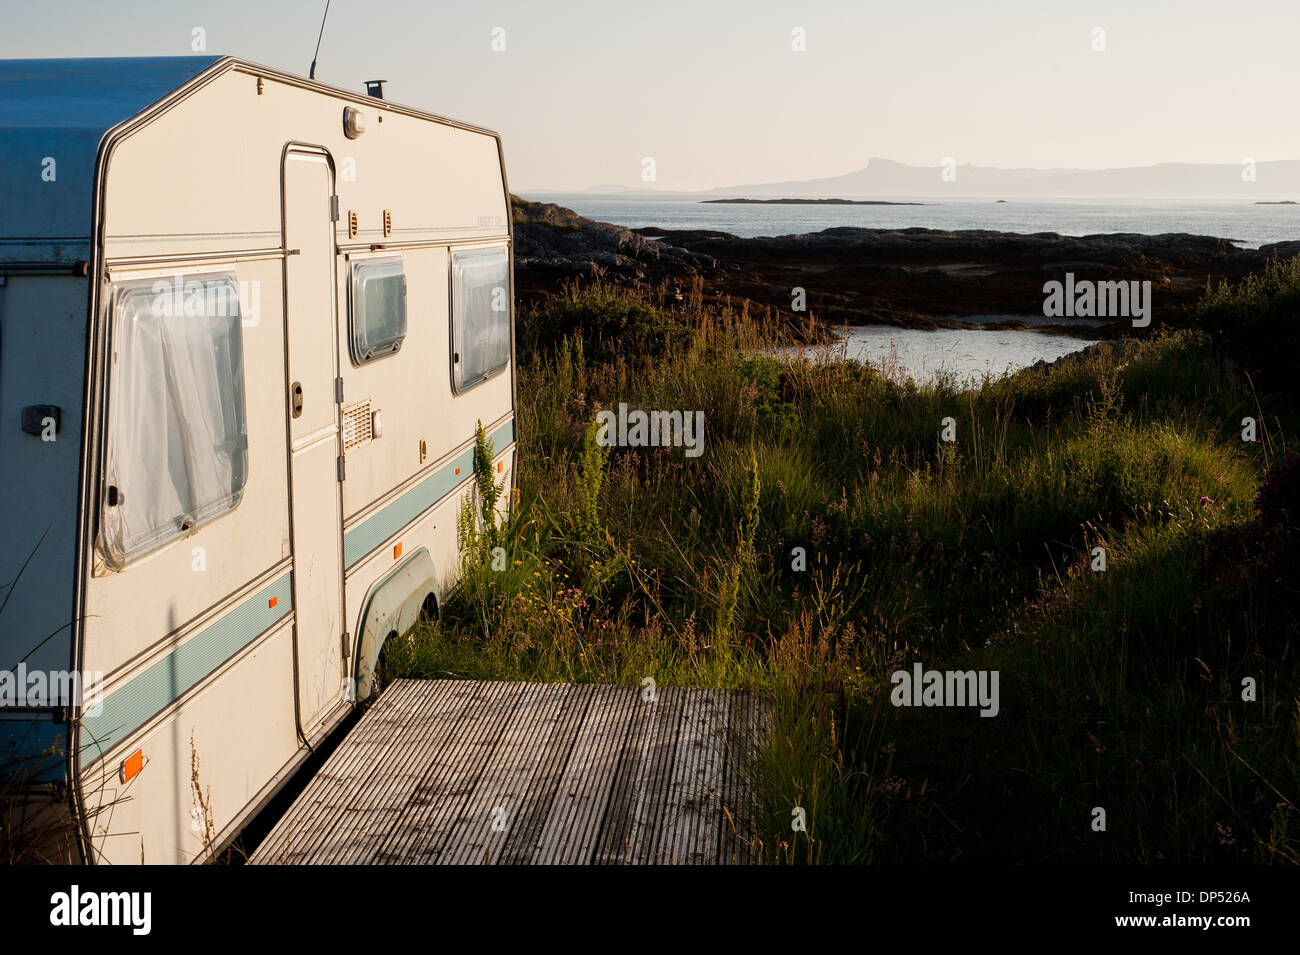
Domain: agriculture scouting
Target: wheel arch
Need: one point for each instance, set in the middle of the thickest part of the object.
(391, 606)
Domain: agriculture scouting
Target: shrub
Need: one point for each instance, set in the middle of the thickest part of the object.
(609, 323)
(1257, 322)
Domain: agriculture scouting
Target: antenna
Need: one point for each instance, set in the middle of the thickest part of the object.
(311, 75)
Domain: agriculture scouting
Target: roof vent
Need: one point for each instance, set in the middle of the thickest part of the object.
(375, 88)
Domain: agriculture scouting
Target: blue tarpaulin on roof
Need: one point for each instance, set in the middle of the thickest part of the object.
(53, 115)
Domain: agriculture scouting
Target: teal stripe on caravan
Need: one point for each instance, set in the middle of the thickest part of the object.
(126, 709)
(390, 519)
(130, 707)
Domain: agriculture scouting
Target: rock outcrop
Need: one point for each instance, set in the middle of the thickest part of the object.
(554, 242)
(919, 278)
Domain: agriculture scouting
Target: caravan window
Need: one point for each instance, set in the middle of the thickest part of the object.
(177, 448)
(378, 308)
(480, 314)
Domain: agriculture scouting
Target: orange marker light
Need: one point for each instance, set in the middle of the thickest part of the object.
(501, 466)
(397, 550)
(273, 601)
(458, 470)
(132, 765)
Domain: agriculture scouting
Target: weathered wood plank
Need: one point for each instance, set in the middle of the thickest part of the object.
(696, 776)
(420, 830)
(399, 767)
(568, 774)
(704, 843)
(522, 842)
(737, 792)
(611, 766)
(573, 828)
(315, 813)
(614, 844)
(480, 831)
(652, 774)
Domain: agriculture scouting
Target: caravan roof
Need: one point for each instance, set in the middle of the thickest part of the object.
(55, 116)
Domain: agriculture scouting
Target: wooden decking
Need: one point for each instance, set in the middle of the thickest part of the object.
(458, 771)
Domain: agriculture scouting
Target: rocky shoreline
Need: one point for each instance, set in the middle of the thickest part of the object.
(909, 278)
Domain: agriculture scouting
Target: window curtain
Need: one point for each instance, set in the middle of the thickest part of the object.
(177, 452)
(481, 296)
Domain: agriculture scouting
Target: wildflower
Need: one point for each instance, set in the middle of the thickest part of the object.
(1206, 501)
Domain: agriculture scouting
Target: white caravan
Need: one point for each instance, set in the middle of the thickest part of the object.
(248, 325)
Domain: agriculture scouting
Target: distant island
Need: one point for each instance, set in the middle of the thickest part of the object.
(1185, 181)
(815, 202)
(1279, 202)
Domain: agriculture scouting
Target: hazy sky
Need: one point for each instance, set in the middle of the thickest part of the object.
(713, 91)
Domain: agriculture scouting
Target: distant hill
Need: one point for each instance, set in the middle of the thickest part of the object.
(884, 177)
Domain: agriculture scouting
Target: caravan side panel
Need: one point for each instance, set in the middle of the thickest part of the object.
(42, 362)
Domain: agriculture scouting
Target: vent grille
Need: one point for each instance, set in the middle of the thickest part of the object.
(356, 424)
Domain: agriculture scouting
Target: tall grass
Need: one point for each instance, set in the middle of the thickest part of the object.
(1257, 323)
(1121, 689)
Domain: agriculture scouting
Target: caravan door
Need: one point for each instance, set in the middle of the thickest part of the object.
(315, 491)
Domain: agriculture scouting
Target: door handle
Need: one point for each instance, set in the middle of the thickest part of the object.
(296, 395)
